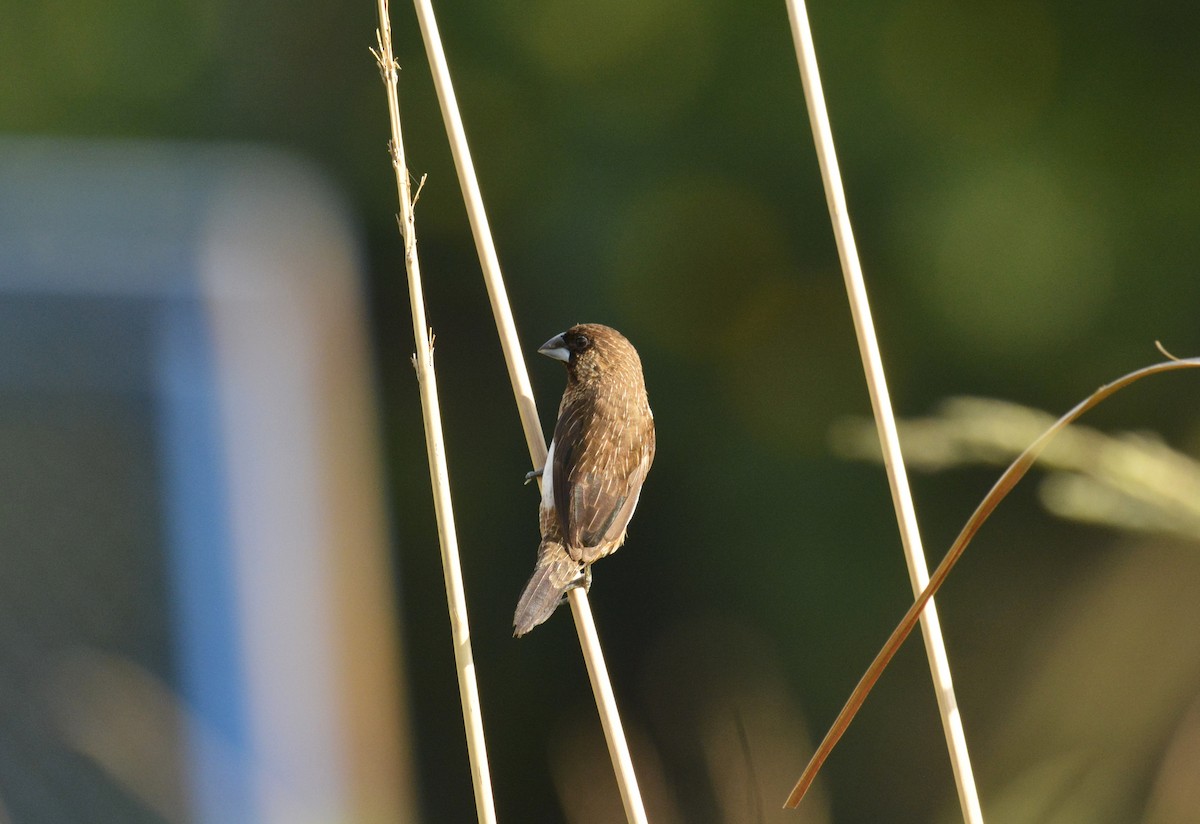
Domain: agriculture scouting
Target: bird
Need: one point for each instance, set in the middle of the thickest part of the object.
(599, 455)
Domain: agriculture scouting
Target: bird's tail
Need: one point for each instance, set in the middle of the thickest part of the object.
(554, 574)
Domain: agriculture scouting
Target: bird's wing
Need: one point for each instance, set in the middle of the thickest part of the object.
(598, 469)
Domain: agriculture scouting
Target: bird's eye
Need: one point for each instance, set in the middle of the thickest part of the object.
(581, 342)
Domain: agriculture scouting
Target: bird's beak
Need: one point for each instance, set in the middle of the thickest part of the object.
(556, 348)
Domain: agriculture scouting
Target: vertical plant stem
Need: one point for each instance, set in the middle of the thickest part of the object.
(482, 233)
(435, 445)
(614, 733)
(589, 641)
(935, 648)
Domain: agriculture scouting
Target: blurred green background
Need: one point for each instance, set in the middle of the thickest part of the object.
(1023, 181)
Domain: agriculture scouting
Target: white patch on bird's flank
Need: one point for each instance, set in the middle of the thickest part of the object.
(548, 479)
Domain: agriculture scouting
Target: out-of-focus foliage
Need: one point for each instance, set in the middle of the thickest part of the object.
(1024, 185)
(1132, 481)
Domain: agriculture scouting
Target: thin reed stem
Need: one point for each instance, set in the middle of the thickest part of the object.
(435, 446)
(884, 419)
(588, 639)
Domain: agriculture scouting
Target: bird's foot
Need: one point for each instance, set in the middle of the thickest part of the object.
(537, 473)
(583, 579)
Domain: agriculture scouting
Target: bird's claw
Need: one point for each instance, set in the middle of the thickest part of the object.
(582, 580)
(537, 473)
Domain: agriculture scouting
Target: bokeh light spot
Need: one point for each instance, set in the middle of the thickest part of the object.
(627, 63)
(1018, 259)
(688, 253)
(708, 272)
(971, 70)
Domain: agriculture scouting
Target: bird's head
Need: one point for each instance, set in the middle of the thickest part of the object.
(591, 351)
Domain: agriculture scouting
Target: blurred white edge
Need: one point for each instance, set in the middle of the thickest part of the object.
(280, 275)
(276, 266)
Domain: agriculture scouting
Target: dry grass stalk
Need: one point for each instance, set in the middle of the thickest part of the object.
(884, 419)
(434, 443)
(610, 719)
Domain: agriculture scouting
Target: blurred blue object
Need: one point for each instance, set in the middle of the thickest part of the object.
(196, 608)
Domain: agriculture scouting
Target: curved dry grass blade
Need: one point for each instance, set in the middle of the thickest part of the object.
(1002, 487)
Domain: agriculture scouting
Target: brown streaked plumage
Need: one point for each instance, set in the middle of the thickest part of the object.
(602, 448)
